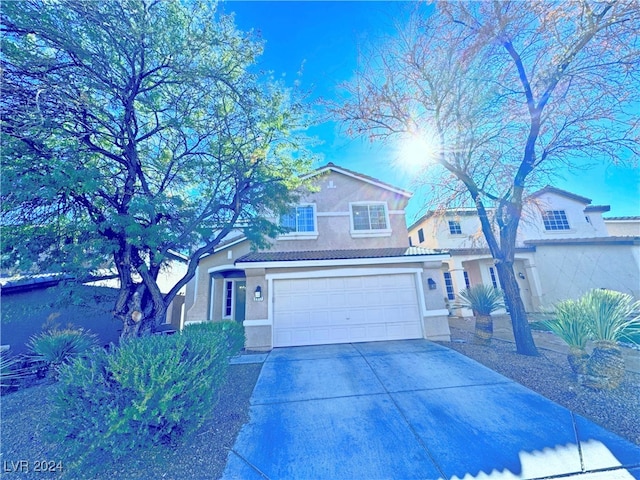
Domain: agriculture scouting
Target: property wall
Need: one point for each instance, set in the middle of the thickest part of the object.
(336, 193)
(568, 271)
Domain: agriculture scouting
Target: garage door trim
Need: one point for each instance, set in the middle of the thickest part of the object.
(344, 272)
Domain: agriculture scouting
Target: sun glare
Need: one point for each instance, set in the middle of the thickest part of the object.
(415, 152)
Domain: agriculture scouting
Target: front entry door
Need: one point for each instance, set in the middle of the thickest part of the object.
(240, 299)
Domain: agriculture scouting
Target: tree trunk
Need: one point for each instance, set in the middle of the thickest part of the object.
(484, 329)
(140, 313)
(521, 330)
(503, 253)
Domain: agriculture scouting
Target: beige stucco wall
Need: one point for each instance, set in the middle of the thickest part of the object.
(332, 200)
(532, 226)
(198, 289)
(437, 235)
(568, 271)
(623, 228)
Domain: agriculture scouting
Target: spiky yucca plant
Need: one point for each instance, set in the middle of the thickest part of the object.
(571, 324)
(56, 347)
(11, 370)
(483, 300)
(611, 316)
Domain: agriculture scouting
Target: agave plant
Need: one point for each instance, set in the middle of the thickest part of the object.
(11, 370)
(56, 347)
(571, 324)
(611, 316)
(483, 300)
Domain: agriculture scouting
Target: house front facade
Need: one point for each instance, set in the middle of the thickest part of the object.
(344, 273)
(563, 249)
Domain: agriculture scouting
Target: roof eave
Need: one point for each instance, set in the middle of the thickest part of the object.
(358, 176)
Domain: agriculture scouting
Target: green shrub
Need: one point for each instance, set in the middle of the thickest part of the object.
(571, 323)
(612, 315)
(146, 391)
(56, 347)
(482, 299)
(231, 332)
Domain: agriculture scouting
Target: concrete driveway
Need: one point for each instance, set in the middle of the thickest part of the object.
(411, 409)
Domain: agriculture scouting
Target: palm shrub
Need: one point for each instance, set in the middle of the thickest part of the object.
(571, 324)
(146, 391)
(483, 300)
(612, 315)
(56, 347)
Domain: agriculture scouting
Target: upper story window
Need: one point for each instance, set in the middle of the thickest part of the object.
(555, 220)
(369, 219)
(301, 221)
(455, 228)
(420, 236)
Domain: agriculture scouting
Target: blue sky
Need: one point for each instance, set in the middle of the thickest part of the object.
(322, 39)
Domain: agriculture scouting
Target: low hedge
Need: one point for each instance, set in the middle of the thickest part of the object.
(145, 391)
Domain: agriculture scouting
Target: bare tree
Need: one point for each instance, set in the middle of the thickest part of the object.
(509, 93)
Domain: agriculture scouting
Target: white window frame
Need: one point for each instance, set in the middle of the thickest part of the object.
(303, 235)
(559, 219)
(455, 223)
(378, 232)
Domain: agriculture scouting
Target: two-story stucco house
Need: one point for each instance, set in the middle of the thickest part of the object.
(563, 249)
(345, 272)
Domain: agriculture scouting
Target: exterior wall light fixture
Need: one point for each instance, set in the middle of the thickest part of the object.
(432, 284)
(257, 295)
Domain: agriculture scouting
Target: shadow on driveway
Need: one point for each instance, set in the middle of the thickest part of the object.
(411, 409)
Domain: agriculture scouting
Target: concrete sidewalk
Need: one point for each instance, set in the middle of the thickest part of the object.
(412, 409)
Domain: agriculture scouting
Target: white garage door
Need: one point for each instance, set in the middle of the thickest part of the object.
(317, 311)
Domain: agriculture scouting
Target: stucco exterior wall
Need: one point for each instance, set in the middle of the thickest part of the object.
(198, 290)
(568, 271)
(532, 226)
(437, 235)
(623, 228)
(333, 213)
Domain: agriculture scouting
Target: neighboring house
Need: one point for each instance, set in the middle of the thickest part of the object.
(563, 249)
(623, 226)
(345, 272)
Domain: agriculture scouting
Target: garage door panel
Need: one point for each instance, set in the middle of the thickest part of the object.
(345, 309)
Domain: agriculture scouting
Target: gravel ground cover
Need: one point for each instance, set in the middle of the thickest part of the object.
(550, 375)
(23, 443)
(204, 454)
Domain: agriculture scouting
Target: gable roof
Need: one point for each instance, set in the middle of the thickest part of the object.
(358, 176)
(563, 193)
